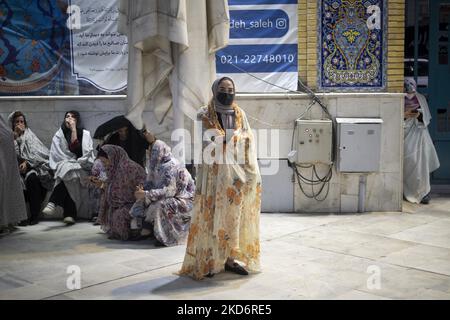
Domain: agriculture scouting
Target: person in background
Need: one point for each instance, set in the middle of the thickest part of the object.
(166, 200)
(12, 201)
(420, 157)
(71, 158)
(132, 141)
(33, 161)
(123, 175)
(224, 231)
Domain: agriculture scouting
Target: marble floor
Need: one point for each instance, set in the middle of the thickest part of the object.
(390, 255)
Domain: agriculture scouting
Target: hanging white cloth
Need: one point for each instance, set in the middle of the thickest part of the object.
(12, 202)
(172, 53)
(420, 157)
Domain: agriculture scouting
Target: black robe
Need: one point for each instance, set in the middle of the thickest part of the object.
(135, 145)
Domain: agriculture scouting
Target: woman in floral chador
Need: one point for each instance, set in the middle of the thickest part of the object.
(123, 175)
(166, 201)
(225, 220)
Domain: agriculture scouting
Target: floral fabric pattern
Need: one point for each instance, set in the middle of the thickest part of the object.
(170, 192)
(123, 177)
(225, 219)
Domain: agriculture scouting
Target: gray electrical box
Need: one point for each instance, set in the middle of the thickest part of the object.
(358, 144)
(277, 189)
(314, 141)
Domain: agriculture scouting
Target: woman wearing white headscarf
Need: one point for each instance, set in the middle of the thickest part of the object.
(12, 202)
(71, 158)
(420, 157)
(224, 231)
(34, 168)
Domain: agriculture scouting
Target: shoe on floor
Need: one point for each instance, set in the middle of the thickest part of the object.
(50, 209)
(135, 235)
(138, 235)
(4, 231)
(33, 222)
(69, 220)
(146, 233)
(94, 221)
(24, 223)
(159, 243)
(426, 199)
(236, 268)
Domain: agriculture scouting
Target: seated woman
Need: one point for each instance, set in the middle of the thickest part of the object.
(33, 158)
(123, 175)
(167, 197)
(71, 158)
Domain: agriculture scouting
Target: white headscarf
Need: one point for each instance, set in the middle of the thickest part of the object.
(410, 87)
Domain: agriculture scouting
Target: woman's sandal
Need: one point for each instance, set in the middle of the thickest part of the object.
(236, 268)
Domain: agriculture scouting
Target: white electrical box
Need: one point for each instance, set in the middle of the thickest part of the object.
(358, 144)
(314, 141)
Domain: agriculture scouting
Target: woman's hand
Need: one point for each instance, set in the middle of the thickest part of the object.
(150, 137)
(411, 114)
(23, 167)
(19, 129)
(96, 182)
(139, 194)
(72, 124)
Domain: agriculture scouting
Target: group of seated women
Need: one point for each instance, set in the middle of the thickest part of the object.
(132, 202)
(137, 199)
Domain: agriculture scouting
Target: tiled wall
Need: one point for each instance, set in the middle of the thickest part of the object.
(308, 43)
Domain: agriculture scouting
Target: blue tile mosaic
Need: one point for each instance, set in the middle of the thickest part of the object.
(352, 45)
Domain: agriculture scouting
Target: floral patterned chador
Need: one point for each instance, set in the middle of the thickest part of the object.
(169, 196)
(225, 219)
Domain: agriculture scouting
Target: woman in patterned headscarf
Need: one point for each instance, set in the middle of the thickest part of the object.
(123, 175)
(225, 220)
(167, 198)
(420, 157)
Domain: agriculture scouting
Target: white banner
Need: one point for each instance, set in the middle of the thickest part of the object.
(99, 52)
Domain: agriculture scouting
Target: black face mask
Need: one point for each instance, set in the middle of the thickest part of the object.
(225, 98)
